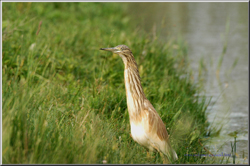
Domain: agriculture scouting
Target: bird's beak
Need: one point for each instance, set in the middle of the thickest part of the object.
(112, 49)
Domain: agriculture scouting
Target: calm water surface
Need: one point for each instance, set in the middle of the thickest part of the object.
(203, 27)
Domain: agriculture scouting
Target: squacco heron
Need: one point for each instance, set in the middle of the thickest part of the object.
(147, 128)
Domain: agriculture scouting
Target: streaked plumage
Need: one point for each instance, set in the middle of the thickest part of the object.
(146, 125)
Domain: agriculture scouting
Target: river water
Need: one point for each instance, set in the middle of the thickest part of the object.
(207, 27)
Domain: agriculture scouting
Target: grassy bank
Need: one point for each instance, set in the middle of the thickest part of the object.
(64, 100)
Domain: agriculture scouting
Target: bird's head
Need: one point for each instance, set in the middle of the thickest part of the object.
(122, 50)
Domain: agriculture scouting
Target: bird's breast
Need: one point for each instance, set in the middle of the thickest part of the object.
(138, 134)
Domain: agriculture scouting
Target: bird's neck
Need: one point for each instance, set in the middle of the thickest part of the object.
(134, 91)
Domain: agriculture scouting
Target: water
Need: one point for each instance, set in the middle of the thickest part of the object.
(204, 27)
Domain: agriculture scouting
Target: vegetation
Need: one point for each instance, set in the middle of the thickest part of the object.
(64, 101)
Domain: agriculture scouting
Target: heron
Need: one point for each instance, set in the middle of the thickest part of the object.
(147, 128)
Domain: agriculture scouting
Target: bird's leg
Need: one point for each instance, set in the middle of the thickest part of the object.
(149, 154)
(164, 158)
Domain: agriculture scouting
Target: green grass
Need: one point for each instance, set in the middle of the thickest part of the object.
(64, 100)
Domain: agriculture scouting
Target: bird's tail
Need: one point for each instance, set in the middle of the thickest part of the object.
(174, 155)
(169, 157)
(171, 154)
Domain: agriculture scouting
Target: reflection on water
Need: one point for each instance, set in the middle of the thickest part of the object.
(203, 26)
